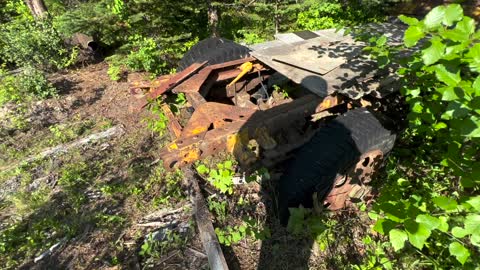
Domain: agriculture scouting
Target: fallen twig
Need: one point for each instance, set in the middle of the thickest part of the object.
(49, 251)
(64, 148)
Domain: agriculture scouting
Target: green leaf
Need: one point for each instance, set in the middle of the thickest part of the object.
(448, 93)
(472, 224)
(417, 233)
(433, 53)
(447, 77)
(228, 164)
(443, 227)
(440, 125)
(456, 35)
(474, 202)
(466, 26)
(453, 13)
(459, 232)
(430, 222)
(476, 86)
(459, 251)
(435, 17)
(381, 40)
(412, 35)
(398, 238)
(445, 203)
(408, 20)
(383, 226)
(202, 169)
(473, 57)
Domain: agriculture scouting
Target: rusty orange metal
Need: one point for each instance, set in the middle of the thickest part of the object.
(173, 126)
(172, 82)
(353, 186)
(216, 127)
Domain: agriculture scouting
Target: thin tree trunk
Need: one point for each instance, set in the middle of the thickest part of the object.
(276, 18)
(37, 8)
(213, 19)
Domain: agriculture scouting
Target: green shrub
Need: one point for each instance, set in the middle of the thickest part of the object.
(28, 83)
(33, 43)
(146, 54)
(430, 206)
(335, 13)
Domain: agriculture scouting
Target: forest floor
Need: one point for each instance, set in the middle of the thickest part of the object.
(108, 203)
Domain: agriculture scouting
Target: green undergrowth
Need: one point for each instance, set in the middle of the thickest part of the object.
(428, 208)
(25, 144)
(97, 192)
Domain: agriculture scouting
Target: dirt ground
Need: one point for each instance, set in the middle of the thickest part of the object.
(108, 204)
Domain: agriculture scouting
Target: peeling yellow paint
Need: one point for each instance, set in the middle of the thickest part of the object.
(191, 155)
(172, 146)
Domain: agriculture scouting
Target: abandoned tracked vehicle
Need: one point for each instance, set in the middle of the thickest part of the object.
(337, 120)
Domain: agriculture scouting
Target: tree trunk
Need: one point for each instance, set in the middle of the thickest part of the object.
(213, 19)
(37, 8)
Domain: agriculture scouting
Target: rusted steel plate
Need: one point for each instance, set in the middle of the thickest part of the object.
(211, 115)
(209, 132)
(173, 125)
(195, 99)
(195, 83)
(173, 81)
(353, 186)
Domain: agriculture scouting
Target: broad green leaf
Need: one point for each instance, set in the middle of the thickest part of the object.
(459, 232)
(433, 53)
(468, 127)
(445, 203)
(476, 86)
(453, 13)
(448, 93)
(417, 233)
(408, 20)
(447, 77)
(440, 125)
(475, 239)
(466, 25)
(443, 227)
(412, 35)
(473, 57)
(435, 17)
(398, 238)
(383, 226)
(459, 251)
(474, 202)
(456, 35)
(428, 221)
(382, 40)
(455, 109)
(202, 169)
(472, 224)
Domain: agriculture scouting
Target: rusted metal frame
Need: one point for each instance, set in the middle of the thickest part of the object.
(172, 82)
(214, 115)
(195, 99)
(354, 184)
(209, 76)
(189, 149)
(245, 85)
(173, 126)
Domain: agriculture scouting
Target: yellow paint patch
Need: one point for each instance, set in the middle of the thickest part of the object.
(231, 142)
(199, 130)
(172, 146)
(191, 155)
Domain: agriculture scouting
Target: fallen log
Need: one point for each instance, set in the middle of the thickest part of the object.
(212, 247)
